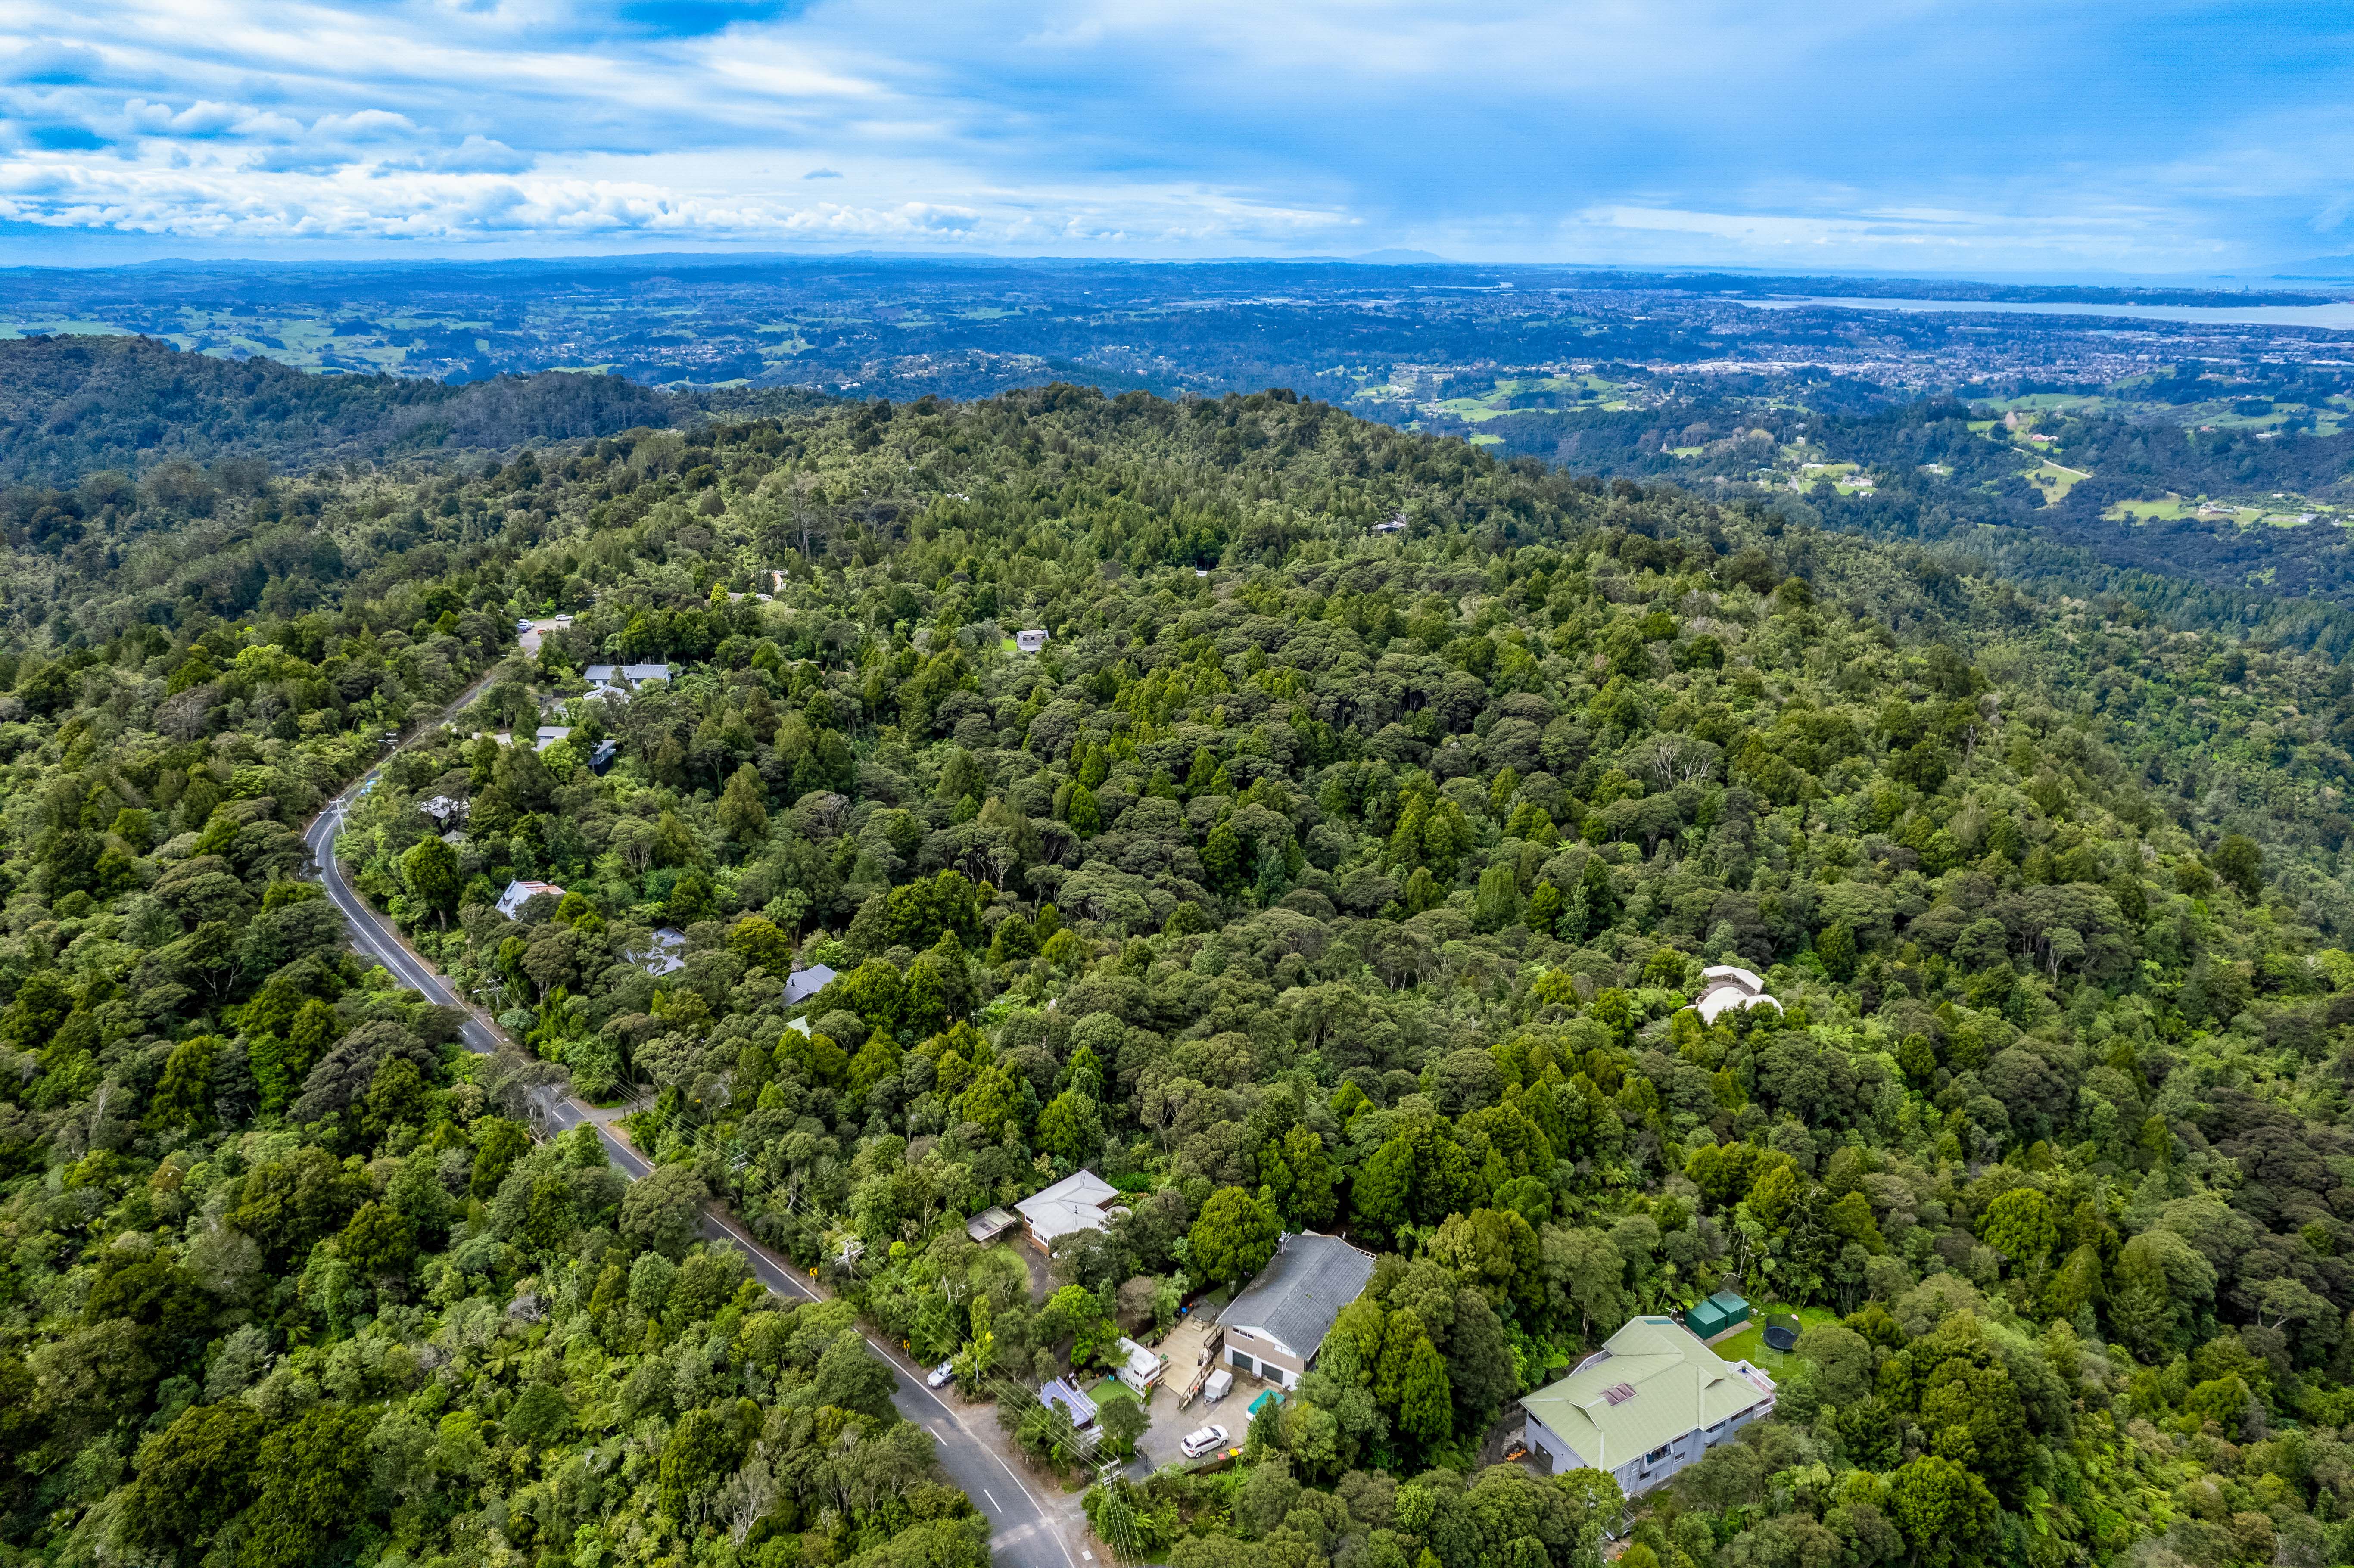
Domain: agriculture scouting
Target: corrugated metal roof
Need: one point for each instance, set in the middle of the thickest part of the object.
(1301, 1290)
(1678, 1385)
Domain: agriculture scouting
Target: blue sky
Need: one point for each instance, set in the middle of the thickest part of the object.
(1908, 135)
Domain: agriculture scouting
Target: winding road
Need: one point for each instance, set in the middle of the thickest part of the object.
(1026, 1532)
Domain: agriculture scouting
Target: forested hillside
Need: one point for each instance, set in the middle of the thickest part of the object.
(1941, 479)
(70, 407)
(1308, 878)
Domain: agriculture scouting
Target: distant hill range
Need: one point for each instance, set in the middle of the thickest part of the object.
(74, 406)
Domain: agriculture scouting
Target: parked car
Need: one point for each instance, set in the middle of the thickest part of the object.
(1199, 1443)
(524, 624)
(938, 1376)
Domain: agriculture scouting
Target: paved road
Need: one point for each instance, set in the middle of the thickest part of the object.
(1026, 1531)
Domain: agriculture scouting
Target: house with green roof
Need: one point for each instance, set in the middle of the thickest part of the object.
(1652, 1400)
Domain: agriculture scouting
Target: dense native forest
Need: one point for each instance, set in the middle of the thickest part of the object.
(1307, 878)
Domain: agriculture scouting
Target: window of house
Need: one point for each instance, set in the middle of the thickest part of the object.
(1657, 1454)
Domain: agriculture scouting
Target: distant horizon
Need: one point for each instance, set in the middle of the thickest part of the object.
(2220, 283)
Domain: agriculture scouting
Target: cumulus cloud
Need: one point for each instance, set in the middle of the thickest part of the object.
(1689, 129)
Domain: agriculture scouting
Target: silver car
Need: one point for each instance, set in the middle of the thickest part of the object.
(938, 1376)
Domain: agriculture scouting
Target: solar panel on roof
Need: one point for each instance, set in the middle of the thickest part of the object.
(1618, 1392)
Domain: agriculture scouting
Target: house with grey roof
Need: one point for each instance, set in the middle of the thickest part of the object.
(1652, 1401)
(1274, 1329)
(804, 984)
(1076, 1405)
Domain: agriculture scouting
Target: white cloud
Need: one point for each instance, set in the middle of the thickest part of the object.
(1952, 133)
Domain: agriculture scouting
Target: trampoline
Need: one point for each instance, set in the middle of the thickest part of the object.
(1781, 1336)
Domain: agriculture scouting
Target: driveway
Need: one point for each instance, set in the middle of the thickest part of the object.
(1187, 1348)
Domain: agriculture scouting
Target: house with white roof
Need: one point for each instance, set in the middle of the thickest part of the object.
(1030, 641)
(1140, 1368)
(1728, 988)
(1084, 1202)
(520, 893)
(1650, 1402)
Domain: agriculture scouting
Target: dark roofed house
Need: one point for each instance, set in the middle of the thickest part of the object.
(1275, 1328)
(804, 984)
(1076, 1406)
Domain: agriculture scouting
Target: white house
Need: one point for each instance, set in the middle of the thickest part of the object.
(1085, 1201)
(1030, 641)
(520, 893)
(1140, 1368)
(1725, 988)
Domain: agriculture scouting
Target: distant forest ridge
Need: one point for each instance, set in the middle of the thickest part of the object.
(75, 406)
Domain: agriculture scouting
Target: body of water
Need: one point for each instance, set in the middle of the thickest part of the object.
(2335, 316)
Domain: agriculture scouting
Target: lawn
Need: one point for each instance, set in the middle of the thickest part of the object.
(2055, 480)
(1107, 1389)
(2166, 511)
(1749, 1345)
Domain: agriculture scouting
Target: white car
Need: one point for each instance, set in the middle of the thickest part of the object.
(938, 1376)
(1197, 1444)
(523, 625)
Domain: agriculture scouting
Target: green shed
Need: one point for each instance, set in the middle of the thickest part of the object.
(1713, 1317)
